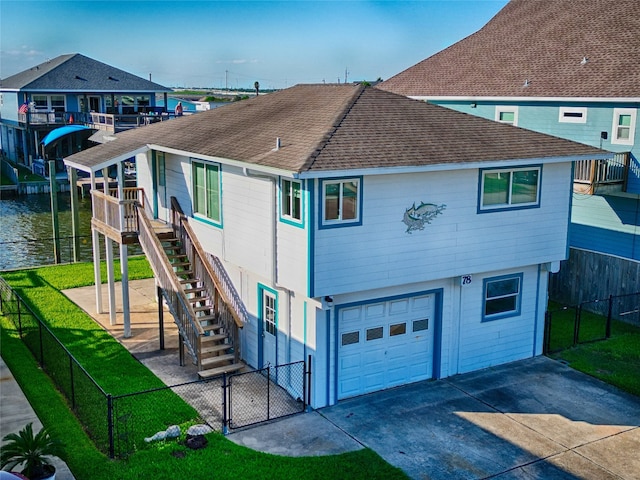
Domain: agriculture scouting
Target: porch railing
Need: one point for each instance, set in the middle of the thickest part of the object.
(227, 304)
(102, 121)
(106, 211)
(599, 172)
(177, 302)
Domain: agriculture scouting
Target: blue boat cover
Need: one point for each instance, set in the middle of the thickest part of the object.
(61, 132)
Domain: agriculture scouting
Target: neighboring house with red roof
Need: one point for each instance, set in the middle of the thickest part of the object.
(389, 239)
(69, 89)
(566, 68)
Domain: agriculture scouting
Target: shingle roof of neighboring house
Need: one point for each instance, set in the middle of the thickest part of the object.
(335, 127)
(75, 72)
(544, 42)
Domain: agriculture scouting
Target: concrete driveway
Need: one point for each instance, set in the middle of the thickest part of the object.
(533, 419)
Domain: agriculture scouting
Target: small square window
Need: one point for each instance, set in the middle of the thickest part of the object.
(291, 200)
(502, 297)
(507, 115)
(397, 329)
(341, 202)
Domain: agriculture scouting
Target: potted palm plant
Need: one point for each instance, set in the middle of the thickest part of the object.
(31, 451)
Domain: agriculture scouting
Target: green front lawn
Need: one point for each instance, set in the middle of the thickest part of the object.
(118, 372)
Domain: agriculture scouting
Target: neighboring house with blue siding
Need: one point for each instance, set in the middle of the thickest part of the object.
(70, 89)
(356, 226)
(566, 68)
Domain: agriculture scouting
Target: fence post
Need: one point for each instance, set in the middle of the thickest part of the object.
(19, 315)
(609, 314)
(41, 346)
(268, 391)
(576, 325)
(73, 390)
(110, 425)
(546, 343)
(225, 429)
(308, 399)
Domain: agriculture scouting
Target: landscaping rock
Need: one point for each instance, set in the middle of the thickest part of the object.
(196, 442)
(199, 430)
(172, 432)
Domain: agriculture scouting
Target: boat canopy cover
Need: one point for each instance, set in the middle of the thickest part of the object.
(60, 132)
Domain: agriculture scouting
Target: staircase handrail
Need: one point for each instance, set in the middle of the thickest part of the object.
(177, 301)
(223, 290)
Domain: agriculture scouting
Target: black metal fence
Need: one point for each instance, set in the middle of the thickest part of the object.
(568, 326)
(86, 398)
(119, 424)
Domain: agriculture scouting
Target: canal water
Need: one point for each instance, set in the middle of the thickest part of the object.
(26, 231)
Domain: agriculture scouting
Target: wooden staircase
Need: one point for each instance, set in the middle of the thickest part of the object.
(215, 354)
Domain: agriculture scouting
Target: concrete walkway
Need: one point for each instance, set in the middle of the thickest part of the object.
(16, 412)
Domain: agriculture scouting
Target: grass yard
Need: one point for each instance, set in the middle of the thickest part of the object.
(615, 360)
(118, 372)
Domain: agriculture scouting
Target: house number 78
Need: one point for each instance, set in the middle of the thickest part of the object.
(465, 280)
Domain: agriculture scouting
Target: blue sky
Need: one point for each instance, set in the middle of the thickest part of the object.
(235, 43)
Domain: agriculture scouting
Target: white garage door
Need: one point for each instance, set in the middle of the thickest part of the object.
(385, 344)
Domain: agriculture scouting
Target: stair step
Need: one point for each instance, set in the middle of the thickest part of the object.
(206, 339)
(215, 372)
(176, 255)
(213, 362)
(206, 351)
(180, 264)
(170, 239)
(199, 299)
(184, 272)
(203, 308)
(209, 328)
(194, 290)
(186, 281)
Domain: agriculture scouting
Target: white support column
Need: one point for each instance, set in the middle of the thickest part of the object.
(108, 249)
(124, 261)
(95, 238)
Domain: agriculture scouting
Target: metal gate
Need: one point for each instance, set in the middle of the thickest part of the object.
(265, 394)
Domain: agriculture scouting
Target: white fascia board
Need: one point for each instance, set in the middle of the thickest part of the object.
(14, 90)
(442, 167)
(226, 161)
(426, 98)
(89, 92)
(107, 163)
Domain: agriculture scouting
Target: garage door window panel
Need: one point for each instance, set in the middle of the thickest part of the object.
(397, 329)
(374, 333)
(420, 325)
(350, 338)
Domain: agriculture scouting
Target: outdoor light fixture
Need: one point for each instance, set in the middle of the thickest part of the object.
(329, 301)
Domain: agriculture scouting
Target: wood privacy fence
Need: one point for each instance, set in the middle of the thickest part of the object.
(589, 275)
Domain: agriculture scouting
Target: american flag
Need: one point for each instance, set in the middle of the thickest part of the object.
(24, 108)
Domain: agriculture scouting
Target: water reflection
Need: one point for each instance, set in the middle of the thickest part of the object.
(26, 231)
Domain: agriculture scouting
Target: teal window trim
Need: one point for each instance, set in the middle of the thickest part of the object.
(339, 187)
(286, 203)
(508, 174)
(502, 297)
(206, 184)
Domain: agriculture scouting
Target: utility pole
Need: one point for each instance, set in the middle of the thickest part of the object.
(346, 74)
(226, 79)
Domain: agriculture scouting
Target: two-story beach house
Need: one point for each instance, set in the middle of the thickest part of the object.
(569, 69)
(390, 239)
(70, 90)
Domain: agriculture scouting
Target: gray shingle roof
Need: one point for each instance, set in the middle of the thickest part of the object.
(544, 42)
(336, 127)
(75, 72)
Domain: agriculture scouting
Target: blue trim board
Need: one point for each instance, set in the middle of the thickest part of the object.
(328, 315)
(537, 310)
(340, 224)
(437, 329)
(311, 240)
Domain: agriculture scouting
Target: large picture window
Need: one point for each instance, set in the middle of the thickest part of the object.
(341, 202)
(502, 297)
(291, 200)
(206, 191)
(509, 188)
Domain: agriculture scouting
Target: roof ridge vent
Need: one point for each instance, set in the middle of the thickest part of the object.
(584, 60)
(113, 78)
